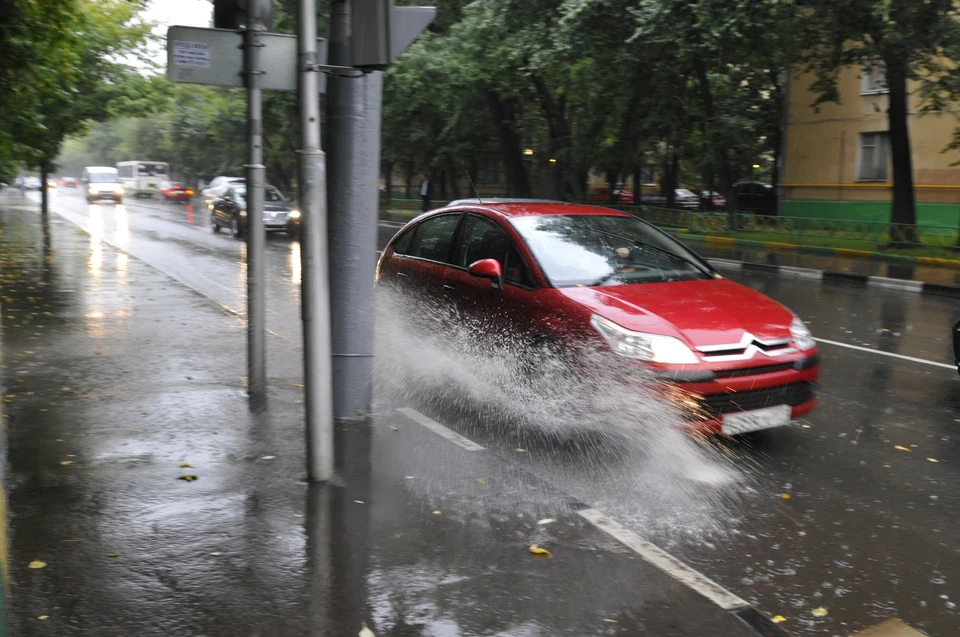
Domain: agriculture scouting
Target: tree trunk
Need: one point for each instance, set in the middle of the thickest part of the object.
(668, 185)
(505, 119)
(443, 185)
(560, 135)
(612, 184)
(637, 178)
(409, 176)
(454, 179)
(904, 207)
(388, 181)
(44, 190)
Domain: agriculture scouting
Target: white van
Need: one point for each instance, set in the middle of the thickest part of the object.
(102, 182)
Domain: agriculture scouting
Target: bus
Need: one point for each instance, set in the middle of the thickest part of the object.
(142, 177)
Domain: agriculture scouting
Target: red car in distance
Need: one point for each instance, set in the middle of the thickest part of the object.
(565, 275)
(173, 191)
(620, 196)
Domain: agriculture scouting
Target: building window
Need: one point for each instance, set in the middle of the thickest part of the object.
(874, 156)
(874, 80)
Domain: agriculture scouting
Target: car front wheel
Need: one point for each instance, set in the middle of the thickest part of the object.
(235, 229)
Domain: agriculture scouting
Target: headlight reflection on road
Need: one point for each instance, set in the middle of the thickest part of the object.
(295, 261)
(96, 241)
(122, 232)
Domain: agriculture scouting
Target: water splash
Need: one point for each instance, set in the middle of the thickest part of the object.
(609, 431)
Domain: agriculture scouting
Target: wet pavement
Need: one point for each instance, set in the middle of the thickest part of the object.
(139, 367)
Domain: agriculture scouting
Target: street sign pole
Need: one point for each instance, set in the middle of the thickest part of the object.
(353, 223)
(256, 240)
(314, 258)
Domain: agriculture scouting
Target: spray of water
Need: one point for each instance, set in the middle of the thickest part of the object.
(611, 431)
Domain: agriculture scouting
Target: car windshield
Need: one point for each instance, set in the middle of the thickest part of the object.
(269, 193)
(589, 250)
(103, 178)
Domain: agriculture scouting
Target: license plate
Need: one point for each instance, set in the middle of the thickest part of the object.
(765, 418)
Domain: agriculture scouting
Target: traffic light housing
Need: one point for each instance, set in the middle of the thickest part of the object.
(380, 32)
(232, 14)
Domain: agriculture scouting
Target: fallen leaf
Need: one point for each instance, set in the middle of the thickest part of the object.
(297, 385)
(819, 612)
(185, 465)
(898, 447)
(518, 450)
(66, 462)
(536, 550)
(932, 460)
(43, 618)
(188, 477)
(114, 554)
(139, 431)
(366, 632)
(785, 496)
(804, 427)
(395, 428)
(268, 457)
(480, 480)
(359, 501)
(409, 477)
(279, 537)
(545, 521)
(612, 621)
(216, 554)
(189, 377)
(437, 511)
(37, 564)
(778, 619)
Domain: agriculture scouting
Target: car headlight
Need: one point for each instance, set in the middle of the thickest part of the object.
(655, 348)
(91, 190)
(802, 337)
(294, 214)
(118, 189)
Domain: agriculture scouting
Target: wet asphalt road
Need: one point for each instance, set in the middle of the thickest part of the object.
(869, 531)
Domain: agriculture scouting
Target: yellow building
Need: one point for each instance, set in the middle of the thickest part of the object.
(837, 161)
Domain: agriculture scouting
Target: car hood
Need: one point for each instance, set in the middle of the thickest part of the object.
(709, 312)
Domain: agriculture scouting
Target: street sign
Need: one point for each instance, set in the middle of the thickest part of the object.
(215, 57)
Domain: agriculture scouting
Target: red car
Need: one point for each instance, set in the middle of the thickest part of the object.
(602, 195)
(173, 192)
(570, 274)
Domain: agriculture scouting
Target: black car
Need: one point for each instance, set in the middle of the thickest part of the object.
(956, 345)
(756, 197)
(229, 210)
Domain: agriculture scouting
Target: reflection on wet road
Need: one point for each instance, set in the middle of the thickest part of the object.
(854, 509)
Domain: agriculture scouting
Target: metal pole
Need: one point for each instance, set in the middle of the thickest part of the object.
(315, 272)
(354, 110)
(256, 301)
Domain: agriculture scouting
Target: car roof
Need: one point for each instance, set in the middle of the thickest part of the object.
(533, 207)
(100, 169)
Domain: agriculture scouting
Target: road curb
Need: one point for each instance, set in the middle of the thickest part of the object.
(850, 278)
(776, 246)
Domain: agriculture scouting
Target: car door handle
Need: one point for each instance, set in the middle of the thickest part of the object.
(449, 288)
(402, 275)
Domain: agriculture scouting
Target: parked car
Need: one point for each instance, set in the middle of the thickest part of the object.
(173, 191)
(712, 200)
(620, 195)
(956, 345)
(682, 198)
(560, 276)
(216, 188)
(756, 197)
(51, 183)
(31, 183)
(230, 211)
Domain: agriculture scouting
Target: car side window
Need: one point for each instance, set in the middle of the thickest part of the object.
(402, 245)
(481, 239)
(516, 271)
(434, 238)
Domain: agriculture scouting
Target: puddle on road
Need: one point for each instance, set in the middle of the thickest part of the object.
(606, 433)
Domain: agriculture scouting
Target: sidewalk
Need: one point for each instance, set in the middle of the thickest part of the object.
(118, 383)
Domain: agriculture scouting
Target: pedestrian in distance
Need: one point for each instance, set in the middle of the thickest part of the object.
(425, 192)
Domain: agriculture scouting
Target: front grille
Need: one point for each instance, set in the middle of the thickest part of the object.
(793, 395)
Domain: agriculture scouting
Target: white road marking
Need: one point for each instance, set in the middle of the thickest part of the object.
(437, 428)
(882, 353)
(667, 563)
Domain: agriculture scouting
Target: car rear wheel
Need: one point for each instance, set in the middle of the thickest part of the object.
(235, 229)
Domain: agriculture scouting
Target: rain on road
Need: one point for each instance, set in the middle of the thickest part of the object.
(854, 509)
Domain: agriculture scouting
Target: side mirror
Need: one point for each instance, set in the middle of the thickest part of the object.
(487, 269)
